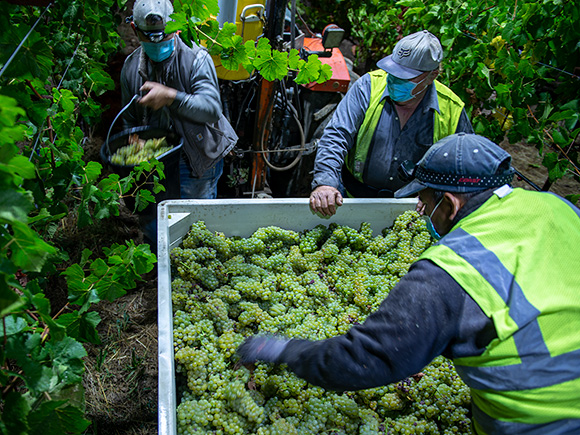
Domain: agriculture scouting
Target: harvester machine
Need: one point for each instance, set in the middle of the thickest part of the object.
(280, 122)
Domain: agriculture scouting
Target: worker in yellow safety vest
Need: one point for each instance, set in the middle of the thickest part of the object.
(388, 116)
(499, 294)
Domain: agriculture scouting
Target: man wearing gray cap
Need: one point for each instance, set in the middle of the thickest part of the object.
(179, 90)
(499, 294)
(388, 116)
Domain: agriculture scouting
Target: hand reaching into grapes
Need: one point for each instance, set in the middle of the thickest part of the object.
(259, 348)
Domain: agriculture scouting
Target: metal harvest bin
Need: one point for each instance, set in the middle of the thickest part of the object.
(239, 217)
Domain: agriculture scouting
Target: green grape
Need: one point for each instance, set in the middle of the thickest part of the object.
(140, 151)
(315, 284)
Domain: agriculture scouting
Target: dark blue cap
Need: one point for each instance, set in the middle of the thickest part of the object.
(460, 163)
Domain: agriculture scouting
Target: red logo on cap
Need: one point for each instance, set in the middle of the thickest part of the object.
(469, 180)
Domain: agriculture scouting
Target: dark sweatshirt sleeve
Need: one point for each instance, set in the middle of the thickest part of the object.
(425, 315)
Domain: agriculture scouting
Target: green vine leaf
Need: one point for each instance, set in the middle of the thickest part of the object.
(81, 326)
(271, 64)
(556, 167)
(15, 414)
(29, 251)
(234, 55)
(52, 418)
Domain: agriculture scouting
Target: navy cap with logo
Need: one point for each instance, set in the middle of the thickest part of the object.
(413, 55)
(460, 163)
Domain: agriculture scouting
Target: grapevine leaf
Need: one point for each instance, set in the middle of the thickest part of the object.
(98, 79)
(20, 165)
(81, 290)
(42, 305)
(15, 413)
(53, 419)
(325, 73)
(34, 57)
(29, 251)
(82, 327)
(225, 35)
(27, 351)
(250, 48)
(309, 71)
(271, 64)
(293, 59)
(67, 355)
(143, 198)
(15, 205)
(110, 289)
(556, 168)
(7, 296)
(177, 24)
(573, 198)
(99, 267)
(85, 255)
(92, 171)
(14, 325)
(236, 54)
(483, 71)
(560, 138)
(569, 116)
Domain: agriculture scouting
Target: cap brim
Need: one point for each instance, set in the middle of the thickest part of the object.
(410, 189)
(387, 64)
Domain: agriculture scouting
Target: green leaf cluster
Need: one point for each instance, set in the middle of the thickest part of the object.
(47, 106)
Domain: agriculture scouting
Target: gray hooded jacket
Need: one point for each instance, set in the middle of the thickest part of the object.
(195, 114)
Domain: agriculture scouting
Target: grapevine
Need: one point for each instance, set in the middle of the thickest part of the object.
(314, 284)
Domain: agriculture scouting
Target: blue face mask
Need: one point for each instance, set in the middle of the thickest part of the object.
(400, 89)
(430, 226)
(159, 51)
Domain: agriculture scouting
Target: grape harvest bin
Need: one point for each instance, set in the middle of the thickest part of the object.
(239, 217)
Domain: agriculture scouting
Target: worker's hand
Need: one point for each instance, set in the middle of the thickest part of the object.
(420, 207)
(325, 200)
(157, 96)
(259, 348)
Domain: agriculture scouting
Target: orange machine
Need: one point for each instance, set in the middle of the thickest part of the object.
(340, 76)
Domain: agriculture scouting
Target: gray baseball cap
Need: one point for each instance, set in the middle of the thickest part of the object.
(158, 12)
(460, 163)
(413, 55)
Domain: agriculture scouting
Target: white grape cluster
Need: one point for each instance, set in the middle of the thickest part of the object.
(140, 151)
(314, 284)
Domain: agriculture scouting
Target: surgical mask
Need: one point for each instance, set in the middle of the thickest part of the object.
(430, 226)
(159, 51)
(400, 89)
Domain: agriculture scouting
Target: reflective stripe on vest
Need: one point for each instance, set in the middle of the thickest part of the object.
(485, 425)
(517, 257)
(534, 355)
(444, 122)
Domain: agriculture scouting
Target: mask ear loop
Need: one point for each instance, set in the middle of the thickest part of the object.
(419, 82)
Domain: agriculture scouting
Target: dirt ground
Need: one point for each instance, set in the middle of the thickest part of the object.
(121, 373)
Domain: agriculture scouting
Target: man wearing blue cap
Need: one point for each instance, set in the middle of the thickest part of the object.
(388, 116)
(499, 294)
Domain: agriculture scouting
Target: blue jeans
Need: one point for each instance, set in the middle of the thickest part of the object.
(204, 187)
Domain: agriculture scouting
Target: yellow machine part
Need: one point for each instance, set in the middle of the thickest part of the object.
(249, 22)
